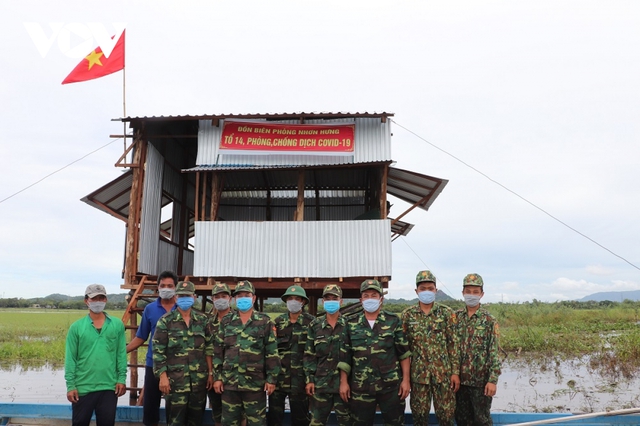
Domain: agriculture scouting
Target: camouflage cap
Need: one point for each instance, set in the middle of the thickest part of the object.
(473, 279)
(94, 290)
(425, 276)
(220, 288)
(244, 286)
(332, 289)
(370, 285)
(185, 287)
(295, 290)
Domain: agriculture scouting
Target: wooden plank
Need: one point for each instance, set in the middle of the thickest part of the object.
(299, 214)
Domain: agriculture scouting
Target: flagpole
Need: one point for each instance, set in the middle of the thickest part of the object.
(124, 106)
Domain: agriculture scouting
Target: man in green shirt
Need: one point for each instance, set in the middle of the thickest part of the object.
(95, 365)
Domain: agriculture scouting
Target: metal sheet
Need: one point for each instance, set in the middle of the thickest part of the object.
(150, 214)
(327, 249)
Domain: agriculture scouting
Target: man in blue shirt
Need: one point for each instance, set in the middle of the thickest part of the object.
(167, 282)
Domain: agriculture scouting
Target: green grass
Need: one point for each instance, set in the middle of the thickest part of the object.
(35, 337)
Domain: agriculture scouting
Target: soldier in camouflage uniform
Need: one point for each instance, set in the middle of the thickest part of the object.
(291, 330)
(246, 362)
(435, 354)
(182, 359)
(374, 362)
(321, 356)
(479, 360)
(222, 306)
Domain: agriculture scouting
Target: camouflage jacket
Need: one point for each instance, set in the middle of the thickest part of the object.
(479, 357)
(245, 356)
(180, 351)
(292, 340)
(322, 354)
(434, 343)
(371, 356)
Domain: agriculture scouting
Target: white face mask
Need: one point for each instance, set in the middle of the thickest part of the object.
(166, 293)
(97, 307)
(221, 304)
(294, 306)
(471, 300)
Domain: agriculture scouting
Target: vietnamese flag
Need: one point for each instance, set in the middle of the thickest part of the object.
(96, 65)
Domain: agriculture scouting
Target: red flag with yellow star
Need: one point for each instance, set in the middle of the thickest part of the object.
(96, 65)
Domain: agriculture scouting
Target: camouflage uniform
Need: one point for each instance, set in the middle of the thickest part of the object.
(435, 357)
(321, 358)
(292, 339)
(245, 358)
(371, 358)
(181, 351)
(479, 363)
(216, 398)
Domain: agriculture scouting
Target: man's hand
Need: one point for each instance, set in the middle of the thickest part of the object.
(218, 387)
(72, 396)
(269, 388)
(405, 388)
(310, 389)
(164, 384)
(455, 382)
(209, 382)
(345, 391)
(120, 389)
(490, 389)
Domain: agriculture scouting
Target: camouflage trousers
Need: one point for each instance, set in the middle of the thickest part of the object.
(237, 405)
(321, 405)
(185, 408)
(363, 408)
(444, 402)
(298, 404)
(473, 408)
(215, 399)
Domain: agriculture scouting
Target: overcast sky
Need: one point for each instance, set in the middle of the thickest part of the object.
(541, 96)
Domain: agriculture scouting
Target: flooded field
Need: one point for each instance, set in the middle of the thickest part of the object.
(532, 385)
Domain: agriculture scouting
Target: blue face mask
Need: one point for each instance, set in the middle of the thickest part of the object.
(244, 303)
(185, 303)
(331, 306)
(427, 297)
(371, 305)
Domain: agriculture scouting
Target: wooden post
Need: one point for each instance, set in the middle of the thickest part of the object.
(299, 215)
(135, 206)
(383, 192)
(216, 194)
(196, 208)
(203, 202)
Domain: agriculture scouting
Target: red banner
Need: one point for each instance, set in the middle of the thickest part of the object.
(337, 139)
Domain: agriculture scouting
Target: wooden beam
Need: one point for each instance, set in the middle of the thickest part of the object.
(203, 201)
(299, 215)
(196, 208)
(419, 202)
(133, 222)
(383, 193)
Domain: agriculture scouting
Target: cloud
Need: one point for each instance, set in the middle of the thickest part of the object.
(599, 270)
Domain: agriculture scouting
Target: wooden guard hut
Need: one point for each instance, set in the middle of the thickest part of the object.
(276, 199)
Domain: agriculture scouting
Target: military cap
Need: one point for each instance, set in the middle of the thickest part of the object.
(370, 285)
(295, 290)
(185, 287)
(244, 286)
(425, 276)
(473, 279)
(94, 290)
(332, 289)
(220, 288)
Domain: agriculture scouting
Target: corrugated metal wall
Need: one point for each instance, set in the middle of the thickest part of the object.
(372, 143)
(293, 249)
(150, 217)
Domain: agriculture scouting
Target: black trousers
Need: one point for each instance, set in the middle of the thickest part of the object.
(102, 402)
(152, 398)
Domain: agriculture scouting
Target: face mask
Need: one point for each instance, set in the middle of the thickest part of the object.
(471, 300)
(294, 306)
(96, 307)
(371, 305)
(221, 304)
(185, 303)
(166, 293)
(427, 297)
(244, 303)
(331, 306)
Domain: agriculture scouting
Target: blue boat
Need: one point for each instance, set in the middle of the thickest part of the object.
(60, 414)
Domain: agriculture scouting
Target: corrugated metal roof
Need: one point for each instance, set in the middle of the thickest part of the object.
(293, 249)
(414, 187)
(266, 116)
(113, 197)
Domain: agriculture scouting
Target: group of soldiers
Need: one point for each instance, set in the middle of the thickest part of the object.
(350, 364)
